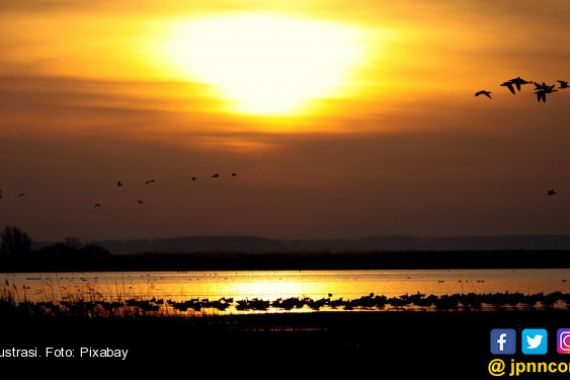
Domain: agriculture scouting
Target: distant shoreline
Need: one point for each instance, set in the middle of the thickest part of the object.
(375, 243)
(202, 261)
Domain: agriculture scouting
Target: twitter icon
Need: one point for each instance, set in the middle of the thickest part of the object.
(534, 341)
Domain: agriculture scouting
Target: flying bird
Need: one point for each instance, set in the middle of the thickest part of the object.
(194, 179)
(119, 184)
(551, 193)
(97, 205)
(541, 94)
(543, 86)
(150, 181)
(140, 201)
(484, 92)
(509, 85)
(518, 82)
(563, 84)
(234, 174)
(215, 175)
(22, 194)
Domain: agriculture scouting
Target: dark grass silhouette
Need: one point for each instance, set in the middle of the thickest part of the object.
(453, 345)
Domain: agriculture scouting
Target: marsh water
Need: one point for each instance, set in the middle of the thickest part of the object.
(271, 285)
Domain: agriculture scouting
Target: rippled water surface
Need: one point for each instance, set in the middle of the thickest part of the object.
(271, 285)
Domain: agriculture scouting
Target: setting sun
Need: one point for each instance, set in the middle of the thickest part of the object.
(265, 64)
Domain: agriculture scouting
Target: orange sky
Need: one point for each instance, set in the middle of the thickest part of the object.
(392, 141)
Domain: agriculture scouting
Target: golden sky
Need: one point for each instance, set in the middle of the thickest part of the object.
(342, 118)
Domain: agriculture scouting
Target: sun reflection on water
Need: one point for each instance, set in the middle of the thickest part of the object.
(271, 285)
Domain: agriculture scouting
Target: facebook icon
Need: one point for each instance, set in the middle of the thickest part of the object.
(503, 341)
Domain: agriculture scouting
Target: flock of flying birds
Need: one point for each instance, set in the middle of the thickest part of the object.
(121, 184)
(540, 89)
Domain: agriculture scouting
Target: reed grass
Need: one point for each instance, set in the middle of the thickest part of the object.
(91, 303)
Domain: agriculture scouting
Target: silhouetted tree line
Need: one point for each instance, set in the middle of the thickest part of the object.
(15, 243)
(17, 254)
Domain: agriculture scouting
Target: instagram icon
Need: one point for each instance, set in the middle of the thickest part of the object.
(563, 341)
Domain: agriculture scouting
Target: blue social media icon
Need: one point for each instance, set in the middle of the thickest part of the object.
(534, 341)
(503, 341)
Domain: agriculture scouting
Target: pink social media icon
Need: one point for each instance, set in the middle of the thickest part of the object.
(563, 341)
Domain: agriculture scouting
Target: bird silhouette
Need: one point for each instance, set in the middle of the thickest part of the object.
(140, 201)
(22, 194)
(215, 175)
(518, 82)
(234, 174)
(484, 92)
(543, 86)
(541, 94)
(150, 181)
(509, 85)
(0, 194)
(194, 179)
(551, 193)
(119, 184)
(563, 84)
(97, 205)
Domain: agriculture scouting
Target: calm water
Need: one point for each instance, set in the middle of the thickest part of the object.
(271, 285)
